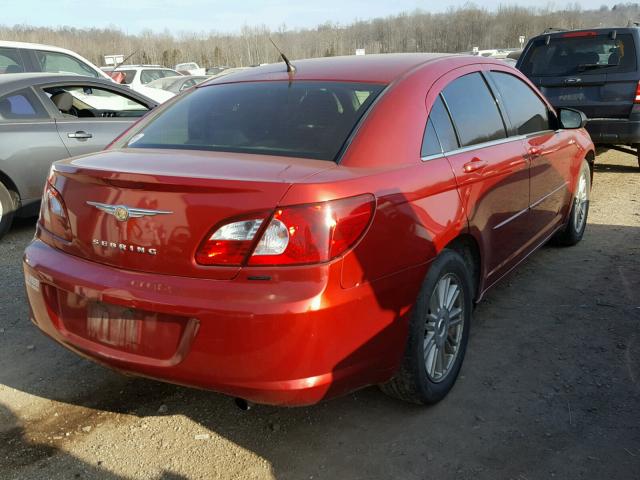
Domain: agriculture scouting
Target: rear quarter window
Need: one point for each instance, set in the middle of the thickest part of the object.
(584, 55)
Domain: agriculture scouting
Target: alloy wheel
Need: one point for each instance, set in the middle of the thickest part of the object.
(581, 202)
(443, 327)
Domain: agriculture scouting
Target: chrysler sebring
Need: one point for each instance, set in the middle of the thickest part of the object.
(287, 235)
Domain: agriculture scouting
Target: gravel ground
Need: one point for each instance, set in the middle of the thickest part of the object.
(550, 387)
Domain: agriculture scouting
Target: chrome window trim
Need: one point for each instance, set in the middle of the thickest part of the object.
(477, 146)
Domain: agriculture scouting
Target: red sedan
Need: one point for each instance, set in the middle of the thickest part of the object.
(286, 237)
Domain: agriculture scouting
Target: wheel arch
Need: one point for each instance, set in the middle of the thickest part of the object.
(11, 186)
(590, 157)
(467, 246)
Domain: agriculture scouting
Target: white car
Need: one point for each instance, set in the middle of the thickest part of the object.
(138, 76)
(191, 68)
(19, 57)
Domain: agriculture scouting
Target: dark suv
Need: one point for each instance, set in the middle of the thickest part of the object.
(596, 71)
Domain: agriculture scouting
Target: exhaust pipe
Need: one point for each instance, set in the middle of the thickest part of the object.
(242, 404)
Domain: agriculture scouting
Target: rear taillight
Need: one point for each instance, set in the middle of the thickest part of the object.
(301, 234)
(230, 244)
(637, 99)
(53, 214)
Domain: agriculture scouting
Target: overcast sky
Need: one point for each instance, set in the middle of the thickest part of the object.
(133, 16)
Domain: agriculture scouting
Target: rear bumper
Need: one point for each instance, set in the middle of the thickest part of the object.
(277, 342)
(614, 131)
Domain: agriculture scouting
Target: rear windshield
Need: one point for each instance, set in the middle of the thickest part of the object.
(298, 119)
(582, 55)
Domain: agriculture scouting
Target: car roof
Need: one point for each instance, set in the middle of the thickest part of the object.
(10, 81)
(599, 30)
(36, 46)
(377, 68)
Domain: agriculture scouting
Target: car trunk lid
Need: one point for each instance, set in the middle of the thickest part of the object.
(179, 197)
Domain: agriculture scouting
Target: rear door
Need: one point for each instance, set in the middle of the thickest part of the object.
(98, 115)
(491, 170)
(29, 142)
(591, 71)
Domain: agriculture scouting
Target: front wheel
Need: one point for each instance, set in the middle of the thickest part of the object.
(438, 333)
(7, 210)
(577, 223)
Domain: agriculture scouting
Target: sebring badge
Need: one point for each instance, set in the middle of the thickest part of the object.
(124, 213)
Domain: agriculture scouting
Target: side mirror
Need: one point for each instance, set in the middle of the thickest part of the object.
(570, 118)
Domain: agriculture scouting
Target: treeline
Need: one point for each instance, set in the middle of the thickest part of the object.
(457, 30)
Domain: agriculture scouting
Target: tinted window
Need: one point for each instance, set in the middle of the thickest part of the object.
(474, 110)
(10, 61)
(301, 119)
(584, 55)
(443, 127)
(430, 142)
(55, 62)
(21, 105)
(528, 114)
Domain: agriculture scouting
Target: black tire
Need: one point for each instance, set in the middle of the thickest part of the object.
(572, 233)
(412, 383)
(7, 209)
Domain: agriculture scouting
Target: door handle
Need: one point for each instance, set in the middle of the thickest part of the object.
(79, 134)
(474, 165)
(534, 152)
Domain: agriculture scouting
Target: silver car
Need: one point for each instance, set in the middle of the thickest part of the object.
(48, 117)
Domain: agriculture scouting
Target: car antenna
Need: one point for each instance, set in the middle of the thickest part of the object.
(124, 60)
(291, 68)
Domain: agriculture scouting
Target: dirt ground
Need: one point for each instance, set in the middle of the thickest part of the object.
(550, 387)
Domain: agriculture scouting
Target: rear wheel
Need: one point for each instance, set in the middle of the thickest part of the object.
(7, 209)
(577, 223)
(438, 333)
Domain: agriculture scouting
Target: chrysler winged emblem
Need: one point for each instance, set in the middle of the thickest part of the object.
(124, 213)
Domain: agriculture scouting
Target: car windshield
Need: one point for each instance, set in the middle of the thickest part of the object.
(588, 54)
(299, 119)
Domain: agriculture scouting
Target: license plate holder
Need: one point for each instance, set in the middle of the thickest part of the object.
(114, 325)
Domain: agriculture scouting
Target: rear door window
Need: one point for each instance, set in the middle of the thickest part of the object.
(474, 111)
(580, 53)
(299, 119)
(10, 60)
(526, 111)
(22, 105)
(55, 62)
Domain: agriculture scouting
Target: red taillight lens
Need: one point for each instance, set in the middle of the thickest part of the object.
(637, 99)
(313, 233)
(53, 214)
(295, 235)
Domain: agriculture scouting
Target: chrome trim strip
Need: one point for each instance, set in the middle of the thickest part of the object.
(477, 146)
(511, 218)
(539, 201)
